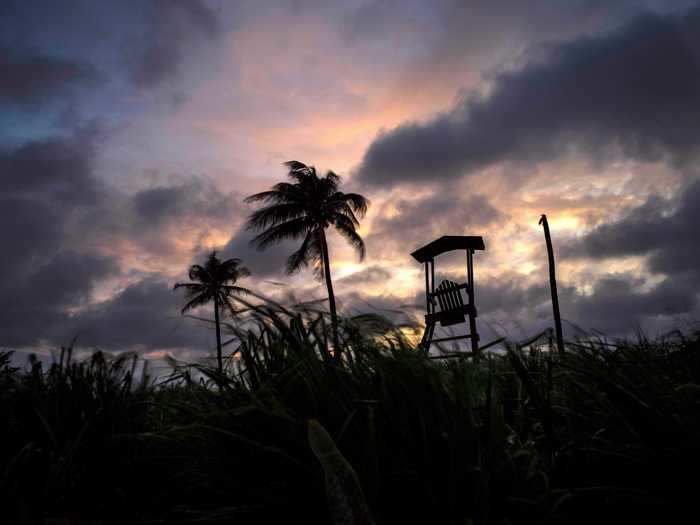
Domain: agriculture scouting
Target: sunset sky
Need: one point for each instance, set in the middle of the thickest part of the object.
(133, 130)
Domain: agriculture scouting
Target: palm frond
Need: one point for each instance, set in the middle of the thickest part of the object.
(231, 268)
(358, 203)
(332, 178)
(262, 196)
(234, 261)
(295, 165)
(197, 273)
(299, 171)
(187, 286)
(347, 229)
(300, 258)
(242, 271)
(197, 300)
(235, 290)
(287, 230)
(342, 208)
(274, 214)
(287, 190)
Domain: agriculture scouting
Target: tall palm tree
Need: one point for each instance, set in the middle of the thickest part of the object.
(215, 281)
(304, 209)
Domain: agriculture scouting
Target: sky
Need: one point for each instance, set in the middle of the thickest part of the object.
(132, 131)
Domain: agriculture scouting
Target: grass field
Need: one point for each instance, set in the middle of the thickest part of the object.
(604, 433)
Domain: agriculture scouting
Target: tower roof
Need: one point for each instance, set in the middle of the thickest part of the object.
(448, 243)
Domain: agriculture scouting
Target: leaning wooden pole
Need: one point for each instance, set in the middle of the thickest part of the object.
(553, 283)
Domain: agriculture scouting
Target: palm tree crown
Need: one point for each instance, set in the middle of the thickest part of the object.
(304, 208)
(214, 282)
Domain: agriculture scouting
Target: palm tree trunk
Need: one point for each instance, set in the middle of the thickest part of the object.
(553, 284)
(219, 360)
(331, 295)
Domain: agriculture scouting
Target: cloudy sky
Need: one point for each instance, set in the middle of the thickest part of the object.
(133, 130)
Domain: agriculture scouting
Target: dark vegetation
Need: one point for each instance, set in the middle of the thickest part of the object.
(601, 433)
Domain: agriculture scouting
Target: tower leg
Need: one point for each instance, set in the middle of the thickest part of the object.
(472, 312)
(474, 335)
(427, 337)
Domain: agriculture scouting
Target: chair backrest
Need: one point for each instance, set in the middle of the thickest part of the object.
(451, 303)
(449, 296)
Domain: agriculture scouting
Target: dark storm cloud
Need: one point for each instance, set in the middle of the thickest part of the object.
(145, 314)
(44, 185)
(155, 220)
(619, 301)
(616, 305)
(478, 27)
(48, 46)
(35, 300)
(267, 263)
(43, 182)
(158, 218)
(196, 196)
(185, 203)
(54, 169)
(634, 92)
(412, 223)
(170, 27)
(27, 229)
(55, 215)
(508, 295)
(31, 81)
(666, 231)
(67, 279)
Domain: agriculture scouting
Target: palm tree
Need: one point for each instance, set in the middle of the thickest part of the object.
(215, 281)
(304, 209)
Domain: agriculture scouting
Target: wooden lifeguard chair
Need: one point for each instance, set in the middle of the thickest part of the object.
(445, 304)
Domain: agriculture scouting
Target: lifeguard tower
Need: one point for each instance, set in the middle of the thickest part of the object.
(446, 304)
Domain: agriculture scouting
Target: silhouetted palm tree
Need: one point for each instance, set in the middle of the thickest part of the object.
(305, 208)
(215, 281)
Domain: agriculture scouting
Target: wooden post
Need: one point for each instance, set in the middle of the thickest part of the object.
(427, 289)
(553, 284)
(472, 317)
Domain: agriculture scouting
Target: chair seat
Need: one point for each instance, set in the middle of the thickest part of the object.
(450, 317)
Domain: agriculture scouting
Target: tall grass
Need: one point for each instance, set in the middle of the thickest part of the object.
(605, 432)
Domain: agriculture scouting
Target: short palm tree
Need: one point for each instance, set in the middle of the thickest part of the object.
(303, 209)
(215, 281)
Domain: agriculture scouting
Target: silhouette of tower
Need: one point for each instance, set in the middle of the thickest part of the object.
(446, 304)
